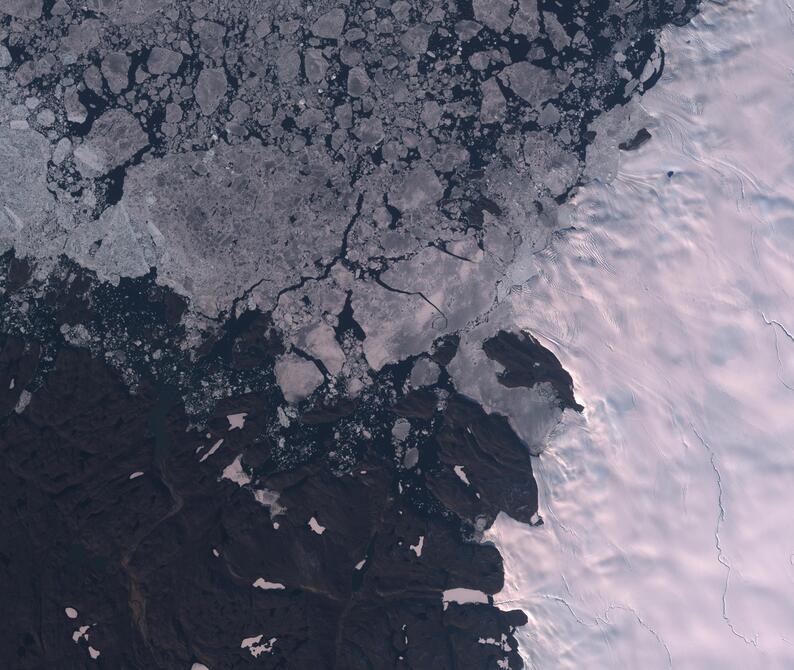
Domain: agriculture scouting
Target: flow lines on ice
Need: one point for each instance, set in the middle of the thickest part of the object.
(718, 543)
(598, 620)
(776, 325)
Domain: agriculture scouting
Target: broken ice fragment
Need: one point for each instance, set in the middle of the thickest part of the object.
(22, 9)
(210, 89)
(425, 373)
(411, 458)
(357, 82)
(163, 61)
(297, 377)
(330, 24)
(419, 188)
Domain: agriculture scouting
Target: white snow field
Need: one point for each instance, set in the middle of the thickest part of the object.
(669, 507)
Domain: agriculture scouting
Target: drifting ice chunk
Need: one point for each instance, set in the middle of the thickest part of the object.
(297, 377)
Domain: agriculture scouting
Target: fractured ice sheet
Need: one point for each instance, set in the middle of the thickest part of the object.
(220, 177)
(115, 138)
(319, 340)
(349, 169)
(247, 195)
(431, 294)
(25, 203)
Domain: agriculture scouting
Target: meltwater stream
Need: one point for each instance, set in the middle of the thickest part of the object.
(669, 535)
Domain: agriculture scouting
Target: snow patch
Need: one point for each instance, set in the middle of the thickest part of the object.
(463, 596)
(236, 421)
(253, 645)
(214, 448)
(269, 499)
(316, 527)
(80, 633)
(234, 472)
(261, 583)
(23, 402)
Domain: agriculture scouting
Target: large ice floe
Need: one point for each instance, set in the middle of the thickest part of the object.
(668, 539)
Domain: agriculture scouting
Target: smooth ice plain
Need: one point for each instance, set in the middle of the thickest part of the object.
(669, 539)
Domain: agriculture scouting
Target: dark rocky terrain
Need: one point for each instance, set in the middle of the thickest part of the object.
(161, 566)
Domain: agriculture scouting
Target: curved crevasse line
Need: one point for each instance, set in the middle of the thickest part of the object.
(721, 556)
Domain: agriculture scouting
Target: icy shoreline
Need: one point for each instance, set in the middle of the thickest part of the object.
(667, 534)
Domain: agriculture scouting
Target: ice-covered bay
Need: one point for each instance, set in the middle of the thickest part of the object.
(669, 535)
